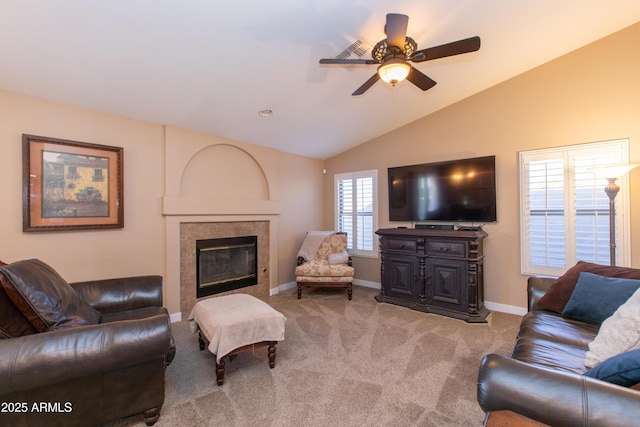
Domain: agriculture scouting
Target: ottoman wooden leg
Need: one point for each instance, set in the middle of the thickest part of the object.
(201, 342)
(349, 291)
(299, 291)
(272, 354)
(220, 372)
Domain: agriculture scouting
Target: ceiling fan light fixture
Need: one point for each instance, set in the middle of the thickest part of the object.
(394, 70)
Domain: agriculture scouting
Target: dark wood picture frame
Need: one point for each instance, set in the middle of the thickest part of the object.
(71, 185)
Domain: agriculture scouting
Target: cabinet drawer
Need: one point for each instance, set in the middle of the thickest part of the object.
(405, 245)
(457, 249)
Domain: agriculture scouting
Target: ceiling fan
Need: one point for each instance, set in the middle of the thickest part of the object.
(394, 53)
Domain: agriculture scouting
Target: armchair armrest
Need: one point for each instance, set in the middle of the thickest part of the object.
(40, 360)
(553, 397)
(537, 286)
(121, 294)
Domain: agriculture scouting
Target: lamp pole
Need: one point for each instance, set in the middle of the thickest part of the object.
(612, 173)
(612, 191)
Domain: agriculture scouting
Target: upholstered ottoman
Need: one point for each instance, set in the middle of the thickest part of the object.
(235, 323)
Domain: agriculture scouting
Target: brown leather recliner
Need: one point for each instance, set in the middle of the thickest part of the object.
(89, 375)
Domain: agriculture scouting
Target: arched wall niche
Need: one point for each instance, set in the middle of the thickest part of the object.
(224, 172)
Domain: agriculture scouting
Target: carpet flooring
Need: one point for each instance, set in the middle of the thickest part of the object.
(342, 363)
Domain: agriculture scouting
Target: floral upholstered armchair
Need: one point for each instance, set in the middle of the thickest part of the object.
(323, 261)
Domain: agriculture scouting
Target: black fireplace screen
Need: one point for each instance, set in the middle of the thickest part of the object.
(226, 264)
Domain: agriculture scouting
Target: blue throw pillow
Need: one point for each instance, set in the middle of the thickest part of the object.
(597, 297)
(623, 369)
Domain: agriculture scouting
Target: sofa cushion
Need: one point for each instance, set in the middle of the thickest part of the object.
(13, 324)
(558, 295)
(555, 327)
(618, 334)
(45, 298)
(623, 369)
(550, 353)
(596, 298)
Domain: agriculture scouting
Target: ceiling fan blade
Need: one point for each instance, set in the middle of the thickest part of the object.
(362, 89)
(396, 29)
(420, 79)
(347, 61)
(449, 49)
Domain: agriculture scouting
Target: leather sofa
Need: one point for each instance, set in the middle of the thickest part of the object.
(87, 375)
(542, 383)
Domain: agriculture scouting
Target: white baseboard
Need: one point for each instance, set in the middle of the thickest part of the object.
(366, 283)
(503, 308)
(282, 288)
(175, 317)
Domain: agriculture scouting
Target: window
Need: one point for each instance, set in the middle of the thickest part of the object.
(564, 209)
(355, 213)
(97, 175)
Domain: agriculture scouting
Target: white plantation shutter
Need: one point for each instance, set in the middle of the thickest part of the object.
(356, 203)
(564, 209)
(344, 201)
(544, 195)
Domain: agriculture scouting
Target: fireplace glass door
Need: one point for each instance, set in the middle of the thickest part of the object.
(226, 264)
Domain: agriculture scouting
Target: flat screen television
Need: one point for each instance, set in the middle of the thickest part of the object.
(457, 190)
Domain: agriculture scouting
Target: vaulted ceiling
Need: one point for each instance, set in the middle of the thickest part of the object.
(211, 66)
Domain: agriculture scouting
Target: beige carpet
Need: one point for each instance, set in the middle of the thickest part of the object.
(342, 363)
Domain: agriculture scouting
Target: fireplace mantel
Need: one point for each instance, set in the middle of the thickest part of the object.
(188, 206)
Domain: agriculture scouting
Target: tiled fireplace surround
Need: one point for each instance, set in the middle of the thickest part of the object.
(216, 188)
(192, 231)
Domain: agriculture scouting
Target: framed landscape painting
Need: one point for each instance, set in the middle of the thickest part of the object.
(71, 185)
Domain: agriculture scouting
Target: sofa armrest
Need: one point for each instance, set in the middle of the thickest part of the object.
(121, 294)
(47, 358)
(553, 397)
(537, 286)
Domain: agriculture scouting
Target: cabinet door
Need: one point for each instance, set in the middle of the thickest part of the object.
(401, 276)
(446, 283)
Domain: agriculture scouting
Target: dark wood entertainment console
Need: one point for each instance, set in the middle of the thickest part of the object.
(434, 271)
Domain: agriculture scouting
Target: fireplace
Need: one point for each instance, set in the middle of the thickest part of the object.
(225, 264)
(190, 232)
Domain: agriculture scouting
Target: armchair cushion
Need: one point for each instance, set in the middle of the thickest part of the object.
(12, 322)
(322, 269)
(45, 299)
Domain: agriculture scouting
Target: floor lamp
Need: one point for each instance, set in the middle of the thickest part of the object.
(612, 173)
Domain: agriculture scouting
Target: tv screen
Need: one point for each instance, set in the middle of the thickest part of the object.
(456, 190)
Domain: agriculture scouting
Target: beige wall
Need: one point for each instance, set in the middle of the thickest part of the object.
(139, 248)
(592, 94)
(302, 181)
(79, 255)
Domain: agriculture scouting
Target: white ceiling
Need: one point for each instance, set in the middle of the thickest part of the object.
(210, 66)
